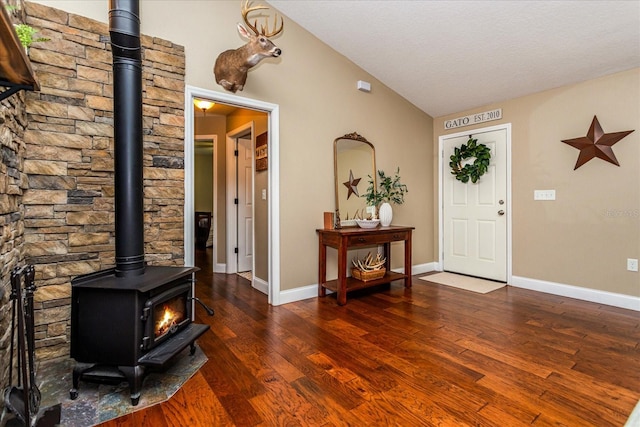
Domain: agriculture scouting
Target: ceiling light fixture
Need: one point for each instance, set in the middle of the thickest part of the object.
(204, 105)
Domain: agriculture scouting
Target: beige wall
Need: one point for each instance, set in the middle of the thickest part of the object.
(203, 177)
(315, 88)
(585, 236)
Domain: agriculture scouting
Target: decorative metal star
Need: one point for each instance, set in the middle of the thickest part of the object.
(352, 185)
(596, 144)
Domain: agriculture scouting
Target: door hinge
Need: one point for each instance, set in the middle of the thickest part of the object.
(235, 201)
(235, 250)
(236, 153)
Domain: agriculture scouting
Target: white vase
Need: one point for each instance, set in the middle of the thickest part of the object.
(385, 213)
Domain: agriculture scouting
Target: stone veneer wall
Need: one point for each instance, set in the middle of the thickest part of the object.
(68, 161)
(12, 184)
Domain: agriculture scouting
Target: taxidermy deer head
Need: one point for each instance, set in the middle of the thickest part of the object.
(232, 65)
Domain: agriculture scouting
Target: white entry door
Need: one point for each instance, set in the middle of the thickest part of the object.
(475, 215)
(245, 204)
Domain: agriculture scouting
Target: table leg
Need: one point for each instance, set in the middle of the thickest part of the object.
(322, 269)
(407, 261)
(386, 253)
(342, 272)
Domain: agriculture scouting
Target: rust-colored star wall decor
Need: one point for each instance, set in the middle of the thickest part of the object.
(596, 144)
(352, 185)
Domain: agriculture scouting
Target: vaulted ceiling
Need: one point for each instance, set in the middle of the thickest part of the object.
(449, 56)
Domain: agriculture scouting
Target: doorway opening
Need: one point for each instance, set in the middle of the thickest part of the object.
(269, 245)
(475, 219)
(205, 195)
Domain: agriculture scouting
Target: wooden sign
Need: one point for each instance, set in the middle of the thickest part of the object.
(262, 160)
(473, 119)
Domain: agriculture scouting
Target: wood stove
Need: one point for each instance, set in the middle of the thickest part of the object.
(122, 326)
(132, 317)
(114, 320)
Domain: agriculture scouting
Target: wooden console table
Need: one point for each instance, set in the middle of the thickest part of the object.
(351, 237)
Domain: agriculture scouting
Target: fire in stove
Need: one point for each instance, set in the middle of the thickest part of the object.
(169, 317)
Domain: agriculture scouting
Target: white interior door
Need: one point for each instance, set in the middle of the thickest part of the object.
(245, 204)
(475, 215)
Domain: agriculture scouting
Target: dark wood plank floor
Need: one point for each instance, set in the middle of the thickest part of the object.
(432, 355)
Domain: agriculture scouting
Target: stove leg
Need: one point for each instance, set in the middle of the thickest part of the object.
(78, 370)
(134, 376)
(135, 399)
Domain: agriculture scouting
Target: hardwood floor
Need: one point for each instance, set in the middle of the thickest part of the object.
(431, 355)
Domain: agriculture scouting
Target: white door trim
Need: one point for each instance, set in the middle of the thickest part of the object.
(273, 199)
(232, 208)
(443, 167)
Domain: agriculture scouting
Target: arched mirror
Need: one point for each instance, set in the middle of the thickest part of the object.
(354, 165)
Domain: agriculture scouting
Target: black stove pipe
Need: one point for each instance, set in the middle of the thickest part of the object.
(124, 28)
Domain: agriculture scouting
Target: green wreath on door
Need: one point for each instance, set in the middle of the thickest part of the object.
(470, 171)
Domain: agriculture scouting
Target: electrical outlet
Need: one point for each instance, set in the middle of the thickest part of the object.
(632, 264)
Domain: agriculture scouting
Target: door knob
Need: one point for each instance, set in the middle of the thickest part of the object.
(500, 212)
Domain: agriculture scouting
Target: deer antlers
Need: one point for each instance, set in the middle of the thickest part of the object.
(264, 29)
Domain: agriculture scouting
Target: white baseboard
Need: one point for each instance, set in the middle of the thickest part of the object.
(593, 295)
(419, 269)
(634, 418)
(311, 291)
(586, 294)
(220, 268)
(260, 285)
(298, 294)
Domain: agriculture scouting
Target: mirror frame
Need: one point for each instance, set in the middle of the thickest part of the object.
(354, 136)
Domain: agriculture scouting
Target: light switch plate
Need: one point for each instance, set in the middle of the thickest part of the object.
(544, 194)
(264, 194)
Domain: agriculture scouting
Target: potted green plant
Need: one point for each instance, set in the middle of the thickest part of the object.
(390, 190)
